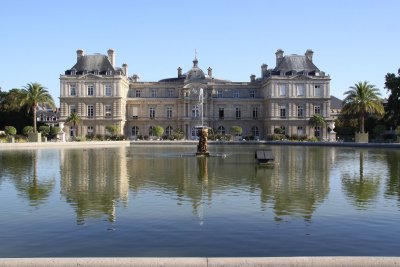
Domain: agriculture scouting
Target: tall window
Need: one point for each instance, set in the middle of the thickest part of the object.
(318, 131)
(107, 110)
(195, 111)
(72, 109)
(152, 113)
(90, 111)
(169, 112)
(252, 94)
(72, 89)
(135, 131)
(153, 93)
(168, 131)
(318, 90)
(221, 130)
(221, 113)
(108, 90)
(300, 131)
(300, 90)
(255, 113)
(254, 131)
(283, 111)
(151, 131)
(236, 94)
(90, 130)
(219, 94)
(300, 111)
(282, 90)
(238, 113)
(137, 93)
(317, 110)
(90, 90)
(170, 92)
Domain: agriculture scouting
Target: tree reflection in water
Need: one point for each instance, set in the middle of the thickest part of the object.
(21, 168)
(361, 189)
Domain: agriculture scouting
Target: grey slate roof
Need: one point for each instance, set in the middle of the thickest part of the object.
(296, 63)
(91, 63)
(336, 103)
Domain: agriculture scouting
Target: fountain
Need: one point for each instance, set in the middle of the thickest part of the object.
(202, 131)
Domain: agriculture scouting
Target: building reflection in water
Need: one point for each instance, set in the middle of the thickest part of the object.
(293, 188)
(94, 181)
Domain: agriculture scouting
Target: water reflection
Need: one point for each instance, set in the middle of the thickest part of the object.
(295, 187)
(393, 183)
(21, 168)
(360, 187)
(94, 181)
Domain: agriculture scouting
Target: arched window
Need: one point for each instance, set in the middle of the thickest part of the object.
(135, 131)
(255, 132)
(221, 130)
(151, 132)
(168, 131)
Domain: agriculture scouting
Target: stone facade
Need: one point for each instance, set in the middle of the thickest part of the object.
(283, 97)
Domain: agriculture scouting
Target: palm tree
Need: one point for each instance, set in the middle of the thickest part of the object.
(361, 99)
(34, 95)
(317, 120)
(74, 119)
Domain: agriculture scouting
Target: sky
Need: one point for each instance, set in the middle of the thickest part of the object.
(352, 41)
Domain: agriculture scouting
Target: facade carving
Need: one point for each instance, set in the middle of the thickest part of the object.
(285, 97)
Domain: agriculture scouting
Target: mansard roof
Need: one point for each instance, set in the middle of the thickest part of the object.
(92, 63)
(336, 103)
(296, 63)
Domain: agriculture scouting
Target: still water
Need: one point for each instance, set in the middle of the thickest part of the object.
(162, 201)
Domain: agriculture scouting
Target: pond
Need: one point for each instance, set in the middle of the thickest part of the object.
(163, 201)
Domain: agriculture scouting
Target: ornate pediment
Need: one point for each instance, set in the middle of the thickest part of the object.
(89, 76)
(301, 77)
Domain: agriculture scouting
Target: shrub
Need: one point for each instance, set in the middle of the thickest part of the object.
(54, 131)
(80, 138)
(27, 130)
(158, 131)
(99, 137)
(312, 139)
(236, 130)
(113, 129)
(10, 130)
(178, 134)
(45, 130)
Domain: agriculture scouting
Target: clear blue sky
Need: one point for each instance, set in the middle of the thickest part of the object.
(352, 40)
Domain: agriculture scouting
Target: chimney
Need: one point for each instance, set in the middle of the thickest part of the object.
(111, 57)
(279, 56)
(309, 54)
(179, 72)
(79, 54)
(264, 70)
(209, 72)
(252, 78)
(125, 68)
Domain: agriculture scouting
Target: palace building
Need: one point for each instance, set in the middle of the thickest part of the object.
(285, 96)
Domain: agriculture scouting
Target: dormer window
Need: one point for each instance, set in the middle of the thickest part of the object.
(96, 72)
(108, 72)
(73, 72)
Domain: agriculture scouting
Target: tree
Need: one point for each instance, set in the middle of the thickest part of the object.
(27, 130)
(74, 119)
(45, 130)
(393, 85)
(10, 131)
(236, 130)
(113, 129)
(317, 120)
(158, 131)
(362, 99)
(35, 95)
